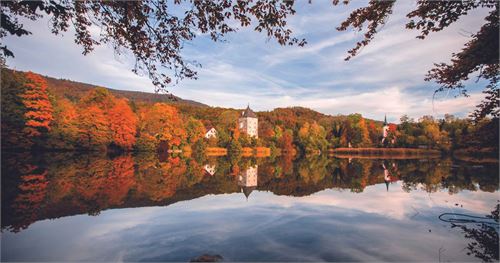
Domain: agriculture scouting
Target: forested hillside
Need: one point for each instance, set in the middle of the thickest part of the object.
(74, 90)
(44, 113)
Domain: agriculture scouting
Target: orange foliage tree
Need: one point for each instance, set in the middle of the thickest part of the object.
(123, 124)
(161, 123)
(365, 134)
(104, 119)
(64, 131)
(68, 116)
(93, 128)
(38, 107)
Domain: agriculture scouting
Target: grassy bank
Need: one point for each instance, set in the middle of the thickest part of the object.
(257, 152)
(394, 153)
(245, 151)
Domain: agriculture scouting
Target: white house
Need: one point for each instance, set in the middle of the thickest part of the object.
(248, 123)
(211, 133)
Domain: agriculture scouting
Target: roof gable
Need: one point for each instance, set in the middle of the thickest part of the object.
(210, 129)
(248, 113)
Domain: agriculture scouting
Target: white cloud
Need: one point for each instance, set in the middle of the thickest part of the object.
(386, 77)
(375, 199)
(311, 49)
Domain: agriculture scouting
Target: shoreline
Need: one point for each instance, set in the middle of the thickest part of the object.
(382, 152)
(383, 157)
(476, 156)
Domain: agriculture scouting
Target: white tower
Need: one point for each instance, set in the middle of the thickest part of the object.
(248, 123)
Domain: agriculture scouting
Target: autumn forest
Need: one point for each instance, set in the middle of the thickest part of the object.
(37, 115)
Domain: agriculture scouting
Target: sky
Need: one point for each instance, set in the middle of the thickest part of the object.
(386, 78)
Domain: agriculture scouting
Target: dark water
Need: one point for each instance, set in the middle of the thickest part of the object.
(62, 207)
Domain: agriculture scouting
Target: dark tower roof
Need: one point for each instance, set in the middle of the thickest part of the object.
(248, 113)
(248, 190)
(385, 120)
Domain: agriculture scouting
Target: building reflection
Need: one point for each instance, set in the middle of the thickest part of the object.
(247, 180)
(390, 174)
(210, 169)
(387, 177)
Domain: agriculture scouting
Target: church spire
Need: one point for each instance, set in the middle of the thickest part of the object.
(385, 120)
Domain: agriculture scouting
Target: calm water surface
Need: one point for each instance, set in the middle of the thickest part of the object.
(60, 207)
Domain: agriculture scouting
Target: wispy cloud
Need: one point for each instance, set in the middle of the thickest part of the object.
(386, 77)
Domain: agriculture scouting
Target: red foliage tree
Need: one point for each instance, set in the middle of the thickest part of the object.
(38, 107)
(392, 127)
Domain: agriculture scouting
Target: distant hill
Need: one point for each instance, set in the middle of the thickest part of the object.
(74, 90)
(290, 116)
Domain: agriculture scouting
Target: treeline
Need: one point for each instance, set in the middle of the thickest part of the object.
(33, 117)
(37, 115)
(450, 133)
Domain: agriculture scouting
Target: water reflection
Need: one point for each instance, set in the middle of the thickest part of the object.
(247, 179)
(481, 231)
(338, 198)
(390, 174)
(210, 169)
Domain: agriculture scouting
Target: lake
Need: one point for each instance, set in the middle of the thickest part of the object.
(147, 207)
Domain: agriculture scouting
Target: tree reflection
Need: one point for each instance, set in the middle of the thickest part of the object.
(482, 233)
(32, 193)
(36, 187)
